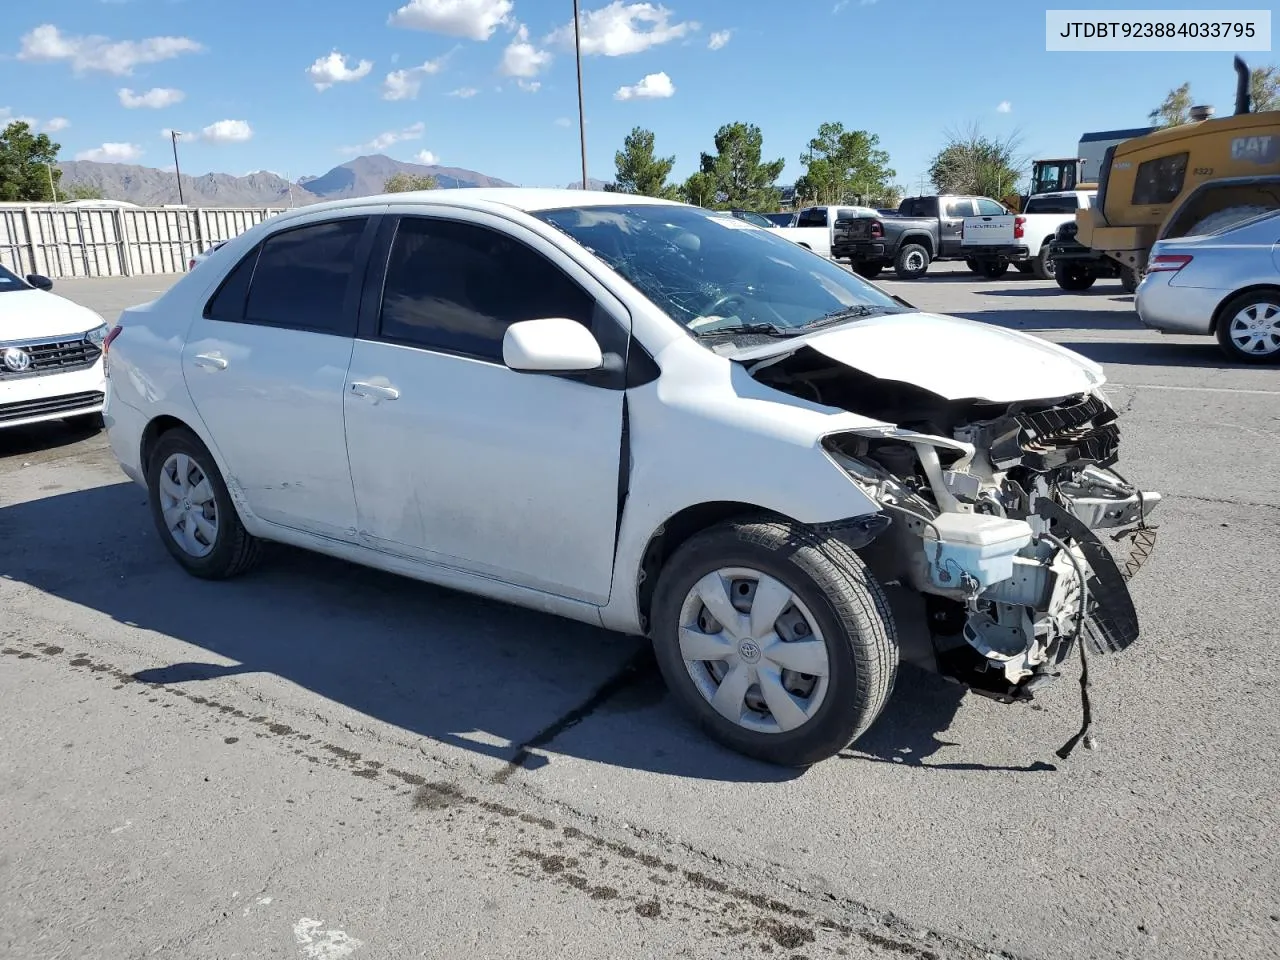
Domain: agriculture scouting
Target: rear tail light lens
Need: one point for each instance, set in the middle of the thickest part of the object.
(1019, 227)
(110, 337)
(877, 230)
(1168, 263)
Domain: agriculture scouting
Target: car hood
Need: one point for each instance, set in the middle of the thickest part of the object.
(954, 358)
(35, 314)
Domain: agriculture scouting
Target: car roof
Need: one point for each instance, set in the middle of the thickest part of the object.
(527, 199)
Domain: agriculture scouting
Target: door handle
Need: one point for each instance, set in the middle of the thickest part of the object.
(374, 391)
(210, 361)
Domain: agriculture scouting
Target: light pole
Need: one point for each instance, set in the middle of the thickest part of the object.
(173, 134)
(582, 117)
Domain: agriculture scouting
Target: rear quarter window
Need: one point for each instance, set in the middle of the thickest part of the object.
(1052, 205)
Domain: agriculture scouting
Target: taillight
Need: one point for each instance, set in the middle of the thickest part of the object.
(877, 230)
(1019, 227)
(1168, 263)
(110, 337)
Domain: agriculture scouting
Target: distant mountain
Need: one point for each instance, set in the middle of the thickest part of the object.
(592, 184)
(362, 177)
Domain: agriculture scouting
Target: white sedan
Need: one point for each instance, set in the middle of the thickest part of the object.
(647, 417)
(50, 354)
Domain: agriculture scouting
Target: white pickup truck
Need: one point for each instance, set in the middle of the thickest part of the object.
(815, 226)
(990, 244)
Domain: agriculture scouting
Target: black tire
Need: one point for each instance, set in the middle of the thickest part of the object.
(844, 600)
(1074, 278)
(868, 270)
(86, 422)
(234, 549)
(912, 262)
(1129, 279)
(993, 269)
(972, 264)
(1043, 266)
(1024, 266)
(1234, 307)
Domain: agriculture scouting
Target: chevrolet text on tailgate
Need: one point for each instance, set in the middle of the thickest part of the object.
(516, 393)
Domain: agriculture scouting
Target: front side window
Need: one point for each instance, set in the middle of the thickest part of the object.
(717, 277)
(813, 217)
(302, 275)
(456, 287)
(1160, 180)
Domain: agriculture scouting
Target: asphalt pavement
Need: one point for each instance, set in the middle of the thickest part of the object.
(316, 760)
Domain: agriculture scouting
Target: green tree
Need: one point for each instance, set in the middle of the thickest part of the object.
(407, 182)
(639, 170)
(1175, 110)
(740, 178)
(699, 189)
(27, 162)
(844, 166)
(974, 163)
(79, 191)
(1264, 88)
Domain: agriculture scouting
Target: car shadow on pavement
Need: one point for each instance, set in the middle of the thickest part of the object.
(467, 672)
(1203, 356)
(41, 438)
(1053, 291)
(1040, 318)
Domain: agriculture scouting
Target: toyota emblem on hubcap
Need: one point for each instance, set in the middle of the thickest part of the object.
(17, 359)
(749, 650)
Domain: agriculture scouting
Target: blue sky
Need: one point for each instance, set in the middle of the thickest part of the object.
(490, 85)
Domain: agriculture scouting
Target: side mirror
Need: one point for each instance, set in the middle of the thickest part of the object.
(39, 282)
(551, 345)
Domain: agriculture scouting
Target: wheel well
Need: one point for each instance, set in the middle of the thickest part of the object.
(669, 537)
(919, 239)
(1221, 307)
(154, 431)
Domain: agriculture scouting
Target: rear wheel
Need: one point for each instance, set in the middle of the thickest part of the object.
(868, 270)
(1043, 266)
(1074, 277)
(993, 269)
(912, 262)
(775, 639)
(193, 511)
(1249, 327)
(1129, 279)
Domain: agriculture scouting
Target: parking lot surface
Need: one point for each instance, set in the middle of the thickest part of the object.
(316, 760)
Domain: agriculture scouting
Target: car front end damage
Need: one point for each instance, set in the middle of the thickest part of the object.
(999, 512)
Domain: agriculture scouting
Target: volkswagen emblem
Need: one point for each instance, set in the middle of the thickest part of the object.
(17, 360)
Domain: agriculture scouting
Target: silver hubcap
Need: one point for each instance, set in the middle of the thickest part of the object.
(914, 261)
(188, 504)
(754, 650)
(1255, 330)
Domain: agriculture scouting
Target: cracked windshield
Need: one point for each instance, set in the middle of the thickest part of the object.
(598, 479)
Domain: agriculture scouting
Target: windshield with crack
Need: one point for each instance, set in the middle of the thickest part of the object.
(718, 276)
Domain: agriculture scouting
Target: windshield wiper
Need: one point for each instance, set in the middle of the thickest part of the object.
(844, 313)
(747, 329)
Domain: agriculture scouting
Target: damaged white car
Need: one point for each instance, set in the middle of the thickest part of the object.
(640, 415)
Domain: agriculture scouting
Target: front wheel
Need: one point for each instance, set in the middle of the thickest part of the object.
(993, 269)
(1043, 266)
(775, 640)
(193, 511)
(912, 262)
(1073, 277)
(1249, 328)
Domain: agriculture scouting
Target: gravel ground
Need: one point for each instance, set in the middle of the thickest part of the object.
(315, 761)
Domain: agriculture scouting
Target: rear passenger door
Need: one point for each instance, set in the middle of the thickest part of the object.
(266, 363)
(951, 223)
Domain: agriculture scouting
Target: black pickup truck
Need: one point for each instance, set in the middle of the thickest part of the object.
(925, 229)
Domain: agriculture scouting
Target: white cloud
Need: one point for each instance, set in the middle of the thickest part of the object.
(529, 86)
(112, 153)
(522, 58)
(472, 19)
(384, 140)
(622, 28)
(154, 99)
(405, 84)
(654, 86)
(54, 124)
(7, 117)
(1004, 106)
(227, 131)
(47, 44)
(426, 157)
(563, 122)
(840, 5)
(331, 69)
(719, 39)
(464, 93)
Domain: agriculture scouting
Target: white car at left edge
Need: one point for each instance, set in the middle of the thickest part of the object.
(51, 353)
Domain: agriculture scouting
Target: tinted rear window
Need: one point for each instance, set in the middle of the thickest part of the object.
(1053, 205)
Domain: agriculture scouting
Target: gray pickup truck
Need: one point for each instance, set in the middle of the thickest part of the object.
(925, 229)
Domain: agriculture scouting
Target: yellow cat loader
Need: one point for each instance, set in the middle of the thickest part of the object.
(1181, 181)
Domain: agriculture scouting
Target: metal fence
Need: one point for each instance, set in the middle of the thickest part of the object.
(59, 241)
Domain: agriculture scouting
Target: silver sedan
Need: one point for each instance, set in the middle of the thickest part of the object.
(1225, 284)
